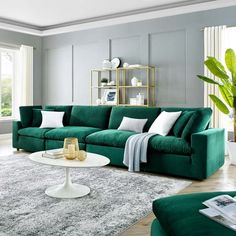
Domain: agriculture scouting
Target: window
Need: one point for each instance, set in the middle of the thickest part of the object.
(230, 42)
(8, 60)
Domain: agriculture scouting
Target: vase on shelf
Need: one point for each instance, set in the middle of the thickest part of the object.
(134, 81)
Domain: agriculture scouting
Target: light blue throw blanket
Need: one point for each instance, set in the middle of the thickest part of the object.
(136, 150)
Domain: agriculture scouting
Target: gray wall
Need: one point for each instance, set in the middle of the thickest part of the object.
(173, 44)
(18, 39)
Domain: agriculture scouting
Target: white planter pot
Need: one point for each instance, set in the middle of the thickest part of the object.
(232, 152)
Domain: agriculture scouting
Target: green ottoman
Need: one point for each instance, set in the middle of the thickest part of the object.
(179, 216)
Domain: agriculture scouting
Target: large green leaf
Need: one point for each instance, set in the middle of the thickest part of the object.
(233, 89)
(227, 83)
(208, 80)
(230, 61)
(216, 68)
(218, 63)
(227, 95)
(219, 104)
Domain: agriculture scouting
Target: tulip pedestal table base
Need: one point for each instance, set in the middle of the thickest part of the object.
(69, 189)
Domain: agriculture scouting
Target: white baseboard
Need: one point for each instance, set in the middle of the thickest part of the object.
(5, 136)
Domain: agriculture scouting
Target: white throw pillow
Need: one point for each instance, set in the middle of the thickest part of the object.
(132, 124)
(164, 122)
(52, 119)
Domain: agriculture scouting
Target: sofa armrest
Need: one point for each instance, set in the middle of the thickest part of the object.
(16, 125)
(208, 148)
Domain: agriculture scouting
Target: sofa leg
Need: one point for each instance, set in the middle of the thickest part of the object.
(18, 149)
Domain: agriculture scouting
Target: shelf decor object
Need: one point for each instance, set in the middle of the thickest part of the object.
(126, 86)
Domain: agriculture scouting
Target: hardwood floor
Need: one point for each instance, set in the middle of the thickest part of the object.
(223, 180)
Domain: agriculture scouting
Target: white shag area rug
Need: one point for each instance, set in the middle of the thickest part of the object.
(117, 200)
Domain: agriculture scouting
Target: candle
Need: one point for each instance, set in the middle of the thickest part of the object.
(71, 151)
(71, 148)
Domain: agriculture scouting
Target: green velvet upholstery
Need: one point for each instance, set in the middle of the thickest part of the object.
(37, 117)
(26, 115)
(33, 132)
(16, 126)
(181, 123)
(168, 163)
(118, 138)
(31, 144)
(170, 144)
(54, 144)
(115, 154)
(207, 152)
(197, 123)
(118, 113)
(109, 137)
(191, 149)
(179, 216)
(66, 109)
(156, 229)
(70, 131)
(90, 116)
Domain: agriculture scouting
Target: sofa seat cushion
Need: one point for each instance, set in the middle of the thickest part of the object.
(110, 137)
(71, 131)
(179, 215)
(170, 144)
(33, 132)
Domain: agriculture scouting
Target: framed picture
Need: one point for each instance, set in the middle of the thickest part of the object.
(110, 96)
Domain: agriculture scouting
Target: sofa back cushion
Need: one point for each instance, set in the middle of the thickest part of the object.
(192, 123)
(90, 116)
(118, 113)
(26, 115)
(197, 123)
(66, 109)
(181, 123)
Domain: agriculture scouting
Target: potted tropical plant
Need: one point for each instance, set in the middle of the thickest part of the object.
(227, 87)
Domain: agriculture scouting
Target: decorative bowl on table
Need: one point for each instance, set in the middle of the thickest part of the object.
(82, 155)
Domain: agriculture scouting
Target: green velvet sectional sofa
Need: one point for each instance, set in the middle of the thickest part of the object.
(190, 150)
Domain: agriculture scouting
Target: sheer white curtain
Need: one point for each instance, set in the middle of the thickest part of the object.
(214, 45)
(24, 81)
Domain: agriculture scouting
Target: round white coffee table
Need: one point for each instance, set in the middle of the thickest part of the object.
(68, 189)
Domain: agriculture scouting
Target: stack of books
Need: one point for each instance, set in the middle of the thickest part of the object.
(53, 154)
(221, 209)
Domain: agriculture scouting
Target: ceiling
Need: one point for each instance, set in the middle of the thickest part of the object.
(51, 12)
(43, 15)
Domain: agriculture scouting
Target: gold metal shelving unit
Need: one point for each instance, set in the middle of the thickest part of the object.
(122, 85)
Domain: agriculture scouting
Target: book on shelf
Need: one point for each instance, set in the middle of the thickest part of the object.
(221, 209)
(53, 154)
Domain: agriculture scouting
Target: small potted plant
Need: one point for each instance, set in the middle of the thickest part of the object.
(104, 82)
(227, 87)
